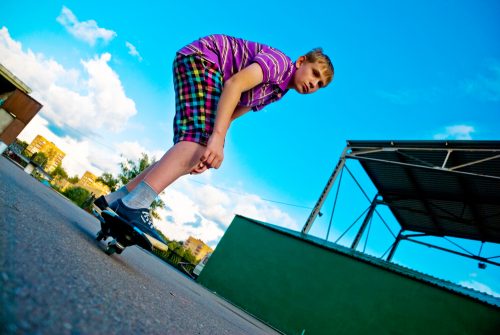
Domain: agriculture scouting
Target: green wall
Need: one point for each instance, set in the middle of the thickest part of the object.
(300, 287)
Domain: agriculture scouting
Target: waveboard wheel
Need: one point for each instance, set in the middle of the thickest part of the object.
(100, 236)
(110, 249)
(114, 247)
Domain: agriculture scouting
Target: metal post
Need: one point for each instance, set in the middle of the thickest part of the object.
(395, 246)
(325, 192)
(365, 222)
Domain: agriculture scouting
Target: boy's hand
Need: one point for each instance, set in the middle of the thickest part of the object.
(214, 153)
(200, 168)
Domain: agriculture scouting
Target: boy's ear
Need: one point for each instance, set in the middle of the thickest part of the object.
(300, 61)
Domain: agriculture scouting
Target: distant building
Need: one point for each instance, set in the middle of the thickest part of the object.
(53, 153)
(17, 108)
(61, 183)
(197, 247)
(90, 183)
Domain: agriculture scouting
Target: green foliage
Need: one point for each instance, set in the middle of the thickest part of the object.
(110, 181)
(78, 195)
(178, 257)
(59, 172)
(57, 188)
(176, 247)
(22, 143)
(188, 255)
(40, 158)
(74, 179)
(131, 169)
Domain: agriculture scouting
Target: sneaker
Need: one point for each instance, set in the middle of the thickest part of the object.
(101, 203)
(141, 218)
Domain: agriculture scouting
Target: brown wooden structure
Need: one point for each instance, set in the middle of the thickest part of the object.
(17, 108)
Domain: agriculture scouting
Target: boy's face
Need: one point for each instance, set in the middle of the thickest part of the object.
(308, 78)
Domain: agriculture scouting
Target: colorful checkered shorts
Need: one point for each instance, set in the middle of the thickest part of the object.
(198, 86)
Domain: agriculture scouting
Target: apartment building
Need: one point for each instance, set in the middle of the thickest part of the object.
(53, 153)
(89, 182)
(197, 247)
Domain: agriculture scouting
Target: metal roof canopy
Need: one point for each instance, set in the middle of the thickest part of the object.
(8, 81)
(437, 188)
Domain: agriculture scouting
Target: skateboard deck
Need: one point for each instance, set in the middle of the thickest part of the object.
(124, 234)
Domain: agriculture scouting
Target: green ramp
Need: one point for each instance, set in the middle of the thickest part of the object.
(302, 285)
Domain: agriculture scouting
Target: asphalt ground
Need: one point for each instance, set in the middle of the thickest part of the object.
(56, 279)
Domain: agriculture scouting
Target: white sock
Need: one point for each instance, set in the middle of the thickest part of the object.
(118, 194)
(140, 197)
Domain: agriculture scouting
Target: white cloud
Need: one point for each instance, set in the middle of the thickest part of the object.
(204, 211)
(107, 94)
(457, 132)
(92, 99)
(479, 287)
(132, 50)
(87, 31)
(79, 154)
(71, 97)
(86, 155)
(194, 208)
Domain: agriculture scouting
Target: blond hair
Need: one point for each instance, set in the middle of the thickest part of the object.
(317, 56)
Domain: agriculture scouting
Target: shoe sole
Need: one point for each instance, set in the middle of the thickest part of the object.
(98, 210)
(154, 242)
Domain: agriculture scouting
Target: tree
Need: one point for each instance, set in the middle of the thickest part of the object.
(107, 179)
(51, 153)
(22, 143)
(131, 169)
(176, 247)
(77, 194)
(188, 255)
(40, 158)
(59, 172)
(74, 179)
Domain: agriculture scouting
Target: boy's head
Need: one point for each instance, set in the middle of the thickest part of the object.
(314, 71)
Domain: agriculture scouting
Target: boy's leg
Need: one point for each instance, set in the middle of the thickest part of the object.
(103, 201)
(140, 177)
(178, 161)
(180, 154)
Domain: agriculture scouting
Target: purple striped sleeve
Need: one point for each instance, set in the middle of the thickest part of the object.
(273, 64)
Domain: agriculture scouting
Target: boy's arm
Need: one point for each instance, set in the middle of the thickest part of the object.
(239, 111)
(242, 81)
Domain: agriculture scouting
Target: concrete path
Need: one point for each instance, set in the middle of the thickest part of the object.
(56, 279)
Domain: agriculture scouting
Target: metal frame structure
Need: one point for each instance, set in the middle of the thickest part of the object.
(477, 160)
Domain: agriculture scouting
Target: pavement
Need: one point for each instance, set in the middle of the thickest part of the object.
(56, 279)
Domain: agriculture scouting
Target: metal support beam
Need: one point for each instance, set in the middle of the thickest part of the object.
(365, 222)
(324, 194)
(477, 258)
(394, 246)
(360, 158)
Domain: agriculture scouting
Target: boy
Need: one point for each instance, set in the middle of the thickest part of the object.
(217, 79)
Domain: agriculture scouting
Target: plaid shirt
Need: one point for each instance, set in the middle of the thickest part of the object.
(231, 55)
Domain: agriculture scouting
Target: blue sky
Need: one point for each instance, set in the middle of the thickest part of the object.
(412, 70)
